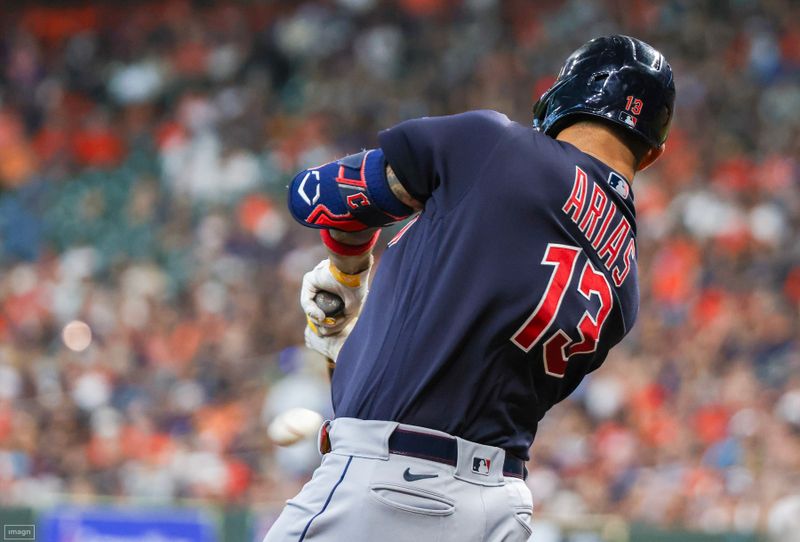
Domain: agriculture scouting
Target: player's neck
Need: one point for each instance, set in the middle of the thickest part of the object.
(599, 141)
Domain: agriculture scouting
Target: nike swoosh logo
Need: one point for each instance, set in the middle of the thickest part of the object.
(408, 477)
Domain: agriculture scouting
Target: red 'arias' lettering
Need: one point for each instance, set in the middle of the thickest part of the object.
(596, 209)
(577, 200)
(611, 249)
(604, 228)
(630, 254)
(594, 215)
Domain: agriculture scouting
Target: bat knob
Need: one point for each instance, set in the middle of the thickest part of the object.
(331, 304)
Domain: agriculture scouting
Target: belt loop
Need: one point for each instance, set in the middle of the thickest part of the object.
(367, 439)
(479, 464)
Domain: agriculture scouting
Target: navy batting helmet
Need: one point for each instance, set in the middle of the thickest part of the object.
(617, 78)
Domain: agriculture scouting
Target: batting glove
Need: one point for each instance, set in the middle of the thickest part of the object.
(351, 288)
(329, 345)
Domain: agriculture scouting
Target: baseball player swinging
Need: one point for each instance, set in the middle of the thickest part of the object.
(514, 280)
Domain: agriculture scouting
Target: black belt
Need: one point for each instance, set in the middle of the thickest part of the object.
(442, 450)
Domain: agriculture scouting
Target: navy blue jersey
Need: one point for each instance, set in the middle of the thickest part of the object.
(512, 284)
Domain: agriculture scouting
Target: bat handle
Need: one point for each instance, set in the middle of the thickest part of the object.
(332, 305)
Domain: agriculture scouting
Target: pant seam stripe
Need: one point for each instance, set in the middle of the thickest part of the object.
(327, 501)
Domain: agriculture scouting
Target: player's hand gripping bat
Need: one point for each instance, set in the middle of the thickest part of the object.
(332, 305)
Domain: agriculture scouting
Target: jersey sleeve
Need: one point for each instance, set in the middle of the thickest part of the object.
(441, 157)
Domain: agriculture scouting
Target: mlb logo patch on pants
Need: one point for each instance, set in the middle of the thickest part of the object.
(481, 465)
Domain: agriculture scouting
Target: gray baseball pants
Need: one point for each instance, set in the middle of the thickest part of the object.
(361, 492)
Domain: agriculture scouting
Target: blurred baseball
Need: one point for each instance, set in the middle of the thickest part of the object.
(294, 425)
(77, 336)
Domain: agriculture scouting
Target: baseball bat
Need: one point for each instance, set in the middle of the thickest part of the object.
(332, 305)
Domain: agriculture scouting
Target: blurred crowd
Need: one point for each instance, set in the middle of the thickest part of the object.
(144, 153)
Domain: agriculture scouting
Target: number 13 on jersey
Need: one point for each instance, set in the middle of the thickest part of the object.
(560, 346)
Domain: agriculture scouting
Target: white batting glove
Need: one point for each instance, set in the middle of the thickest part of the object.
(351, 288)
(330, 345)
